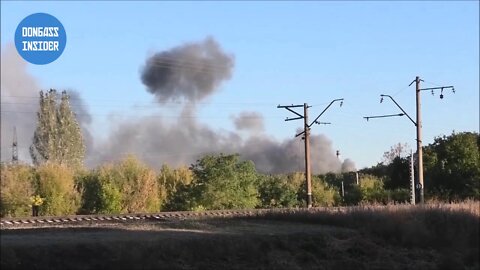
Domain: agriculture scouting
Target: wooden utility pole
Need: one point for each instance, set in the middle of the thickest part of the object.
(308, 175)
(418, 125)
(306, 138)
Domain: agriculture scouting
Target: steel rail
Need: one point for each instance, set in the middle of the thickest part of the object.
(52, 221)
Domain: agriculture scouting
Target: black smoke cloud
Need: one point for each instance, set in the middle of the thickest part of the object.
(190, 73)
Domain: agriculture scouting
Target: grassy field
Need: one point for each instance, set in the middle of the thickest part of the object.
(397, 237)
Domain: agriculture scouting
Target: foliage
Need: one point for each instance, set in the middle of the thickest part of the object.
(55, 183)
(220, 182)
(452, 166)
(276, 191)
(16, 189)
(58, 137)
(125, 187)
(396, 152)
(171, 181)
(372, 190)
(399, 195)
(323, 194)
(99, 195)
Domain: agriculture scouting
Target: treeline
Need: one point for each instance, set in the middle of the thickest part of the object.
(128, 186)
(452, 172)
(451, 168)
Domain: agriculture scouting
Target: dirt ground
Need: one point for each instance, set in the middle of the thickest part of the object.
(209, 244)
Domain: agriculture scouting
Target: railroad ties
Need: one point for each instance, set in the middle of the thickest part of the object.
(46, 221)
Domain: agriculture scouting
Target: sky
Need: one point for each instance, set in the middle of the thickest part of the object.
(284, 53)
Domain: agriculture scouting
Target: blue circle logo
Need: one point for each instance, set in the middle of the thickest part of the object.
(40, 38)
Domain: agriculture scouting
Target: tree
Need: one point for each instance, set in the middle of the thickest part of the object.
(276, 191)
(396, 151)
(15, 190)
(372, 190)
(56, 184)
(323, 194)
(170, 181)
(398, 174)
(58, 137)
(452, 166)
(124, 187)
(220, 182)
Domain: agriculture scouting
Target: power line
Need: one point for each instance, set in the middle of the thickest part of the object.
(417, 124)
(306, 138)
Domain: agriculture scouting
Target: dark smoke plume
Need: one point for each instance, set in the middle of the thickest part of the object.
(249, 121)
(190, 72)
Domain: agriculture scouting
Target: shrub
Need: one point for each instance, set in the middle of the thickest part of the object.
(16, 189)
(170, 182)
(220, 182)
(55, 183)
(99, 195)
(372, 189)
(400, 195)
(322, 194)
(125, 187)
(275, 191)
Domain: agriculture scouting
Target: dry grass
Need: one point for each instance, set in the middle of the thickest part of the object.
(433, 236)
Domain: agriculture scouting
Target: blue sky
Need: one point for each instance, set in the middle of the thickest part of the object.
(285, 53)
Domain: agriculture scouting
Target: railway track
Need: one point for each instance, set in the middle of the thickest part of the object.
(51, 221)
(47, 221)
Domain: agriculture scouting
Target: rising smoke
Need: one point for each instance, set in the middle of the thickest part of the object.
(249, 121)
(190, 73)
(18, 107)
(20, 93)
(83, 117)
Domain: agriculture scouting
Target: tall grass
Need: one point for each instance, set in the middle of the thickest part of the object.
(453, 227)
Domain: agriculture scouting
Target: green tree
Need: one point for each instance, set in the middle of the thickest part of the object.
(220, 182)
(372, 190)
(58, 137)
(452, 166)
(99, 194)
(323, 194)
(171, 181)
(276, 191)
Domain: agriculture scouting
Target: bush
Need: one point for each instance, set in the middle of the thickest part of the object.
(16, 189)
(372, 189)
(171, 182)
(125, 187)
(322, 194)
(275, 191)
(99, 195)
(55, 183)
(220, 182)
(400, 195)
